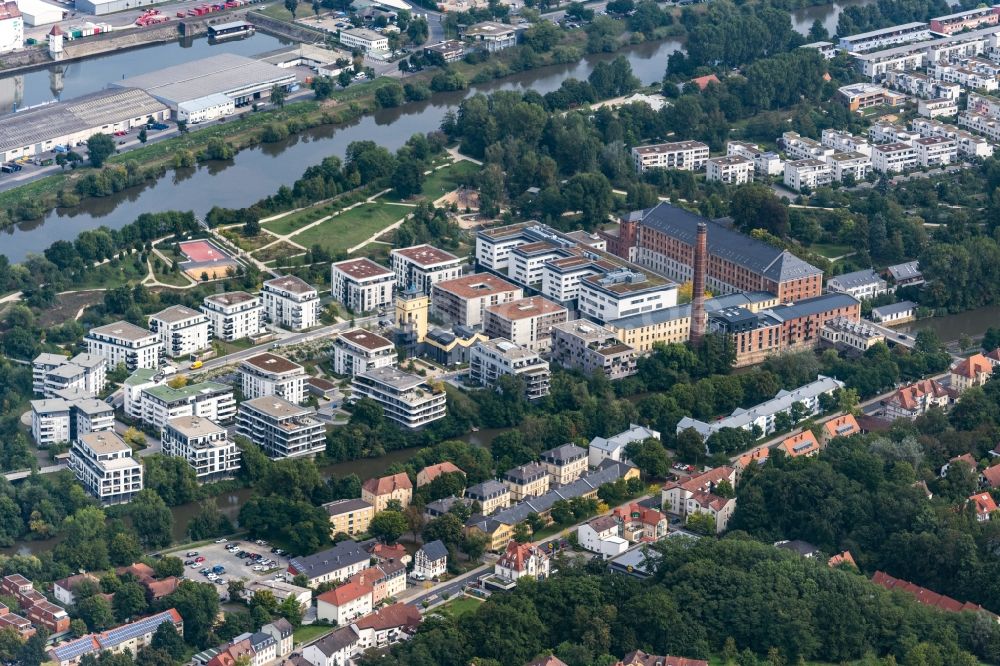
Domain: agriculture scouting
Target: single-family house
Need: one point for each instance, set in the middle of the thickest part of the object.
(379, 492)
(966, 458)
(346, 603)
(984, 505)
(842, 426)
(800, 445)
(973, 371)
(520, 560)
(431, 472)
(990, 477)
(387, 625)
(431, 561)
(640, 523)
(601, 536)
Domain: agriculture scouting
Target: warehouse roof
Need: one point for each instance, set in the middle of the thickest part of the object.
(89, 112)
(222, 73)
(757, 256)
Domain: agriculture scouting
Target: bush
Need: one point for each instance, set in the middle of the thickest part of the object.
(389, 95)
(416, 92)
(274, 132)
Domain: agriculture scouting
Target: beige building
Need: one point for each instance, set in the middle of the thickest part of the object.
(565, 463)
(491, 495)
(973, 371)
(681, 155)
(529, 480)
(731, 169)
(378, 492)
(526, 322)
(349, 516)
(642, 331)
(464, 300)
(592, 348)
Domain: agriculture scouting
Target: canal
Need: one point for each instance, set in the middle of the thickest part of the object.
(260, 171)
(950, 328)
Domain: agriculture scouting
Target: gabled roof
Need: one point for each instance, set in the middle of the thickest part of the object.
(909, 397)
(516, 555)
(345, 593)
(972, 367)
(334, 642)
(387, 484)
(842, 426)
(842, 558)
(391, 617)
(984, 503)
(344, 554)
(802, 444)
(992, 476)
(432, 472)
(435, 550)
(925, 596)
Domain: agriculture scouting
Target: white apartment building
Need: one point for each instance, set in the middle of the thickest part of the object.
(811, 173)
(765, 163)
(970, 78)
(491, 360)
(528, 261)
(125, 344)
(682, 155)
(882, 132)
(893, 157)
(362, 285)
(11, 27)
(464, 300)
(981, 124)
(358, 351)
(158, 403)
(732, 170)
(406, 399)
(133, 387)
(103, 463)
(527, 322)
(50, 422)
(935, 150)
(850, 164)
(280, 428)
(364, 39)
(984, 104)
(880, 39)
(561, 277)
(420, 266)
(845, 142)
(90, 415)
(798, 147)
(933, 108)
(181, 330)
(272, 375)
(291, 303)
(864, 284)
(204, 444)
(234, 315)
(624, 292)
(84, 373)
(922, 86)
(968, 144)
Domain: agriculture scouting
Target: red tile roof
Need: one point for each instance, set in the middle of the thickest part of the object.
(703, 481)
(909, 397)
(842, 426)
(842, 558)
(925, 596)
(984, 503)
(517, 555)
(802, 444)
(386, 484)
(973, 366)
(967, 459)
(161, 588)
(992, 476)
(703, 81)
(635, 511)
(390, 617)
(432, 472)
(346, 593)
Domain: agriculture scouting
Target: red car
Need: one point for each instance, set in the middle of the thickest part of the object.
(199, 559)
(121, 133)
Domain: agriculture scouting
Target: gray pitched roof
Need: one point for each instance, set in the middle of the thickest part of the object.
(566, 453)
(855, 279)
(772, 262)
(337, 641)
(893, 308)
(342, 555)
(435, 550)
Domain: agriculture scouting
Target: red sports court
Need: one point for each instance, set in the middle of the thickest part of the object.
(205, 257)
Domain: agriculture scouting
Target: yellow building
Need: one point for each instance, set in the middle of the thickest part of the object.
(491, 495)
(349, 516)
(530, 480)
(642, 331)
(411, 313)
(498, 534)
(379, 492)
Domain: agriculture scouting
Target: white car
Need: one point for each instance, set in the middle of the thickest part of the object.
(212, 576)
(257, 567)
(222, 540)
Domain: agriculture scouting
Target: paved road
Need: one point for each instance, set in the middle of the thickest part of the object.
(450, 588)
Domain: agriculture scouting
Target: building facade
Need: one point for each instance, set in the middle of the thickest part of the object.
(464, 300)
(291, 303)
(592, 348)
(362, 285)
(358, 351)
(495, 358)
(181, 330)
(125, 344)
(204, 445)
(272, 375)
(103, 463)
(234, 315)
(420, 266)
(406, 399)
(281, 429)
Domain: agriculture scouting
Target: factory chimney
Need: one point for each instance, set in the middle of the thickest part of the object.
(698, 286)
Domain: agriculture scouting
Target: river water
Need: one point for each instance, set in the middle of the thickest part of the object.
(828, 15)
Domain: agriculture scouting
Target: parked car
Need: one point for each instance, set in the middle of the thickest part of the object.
(191, 553)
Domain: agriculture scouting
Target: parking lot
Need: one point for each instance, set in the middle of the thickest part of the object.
(244, 568)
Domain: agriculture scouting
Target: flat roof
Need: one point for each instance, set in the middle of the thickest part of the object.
(426, 255)
(74, 116)
(362, 338)
(475, 285)
(222, 73)
(272, 405)
(123, 330)
(269, 362)
(401, 381)
(104, 442)
(489, 28)
(524, 308)
(290, 283)
(176, 313)
(169, 394)
(361, 269)
(231, 298)
(364, 33)
(194, 426)
(884, 31)
(655, 148)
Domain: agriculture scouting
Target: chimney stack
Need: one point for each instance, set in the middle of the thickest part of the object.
(698, 286)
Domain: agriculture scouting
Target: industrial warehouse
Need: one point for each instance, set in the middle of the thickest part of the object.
(41, 129)
(213, 87)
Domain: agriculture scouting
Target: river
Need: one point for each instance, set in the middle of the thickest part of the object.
(259, 171)
(950, 327)
(828, 15)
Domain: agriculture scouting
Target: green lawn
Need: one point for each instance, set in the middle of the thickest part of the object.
(351, 227)
(310, 632)
(443, 181)
(113, 274)
(458, 607)
(290, 223)
(831, 251)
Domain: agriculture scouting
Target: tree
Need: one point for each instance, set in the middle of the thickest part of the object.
(198, 605)
(389, 95)
(756, 206)
(590, 193)
(343, 78)
(280, 93)
(291, 6)
(408, 178)
(99, 148)
(96, 612)
(151, 519)
(129, 601)
(209, 523)
(701, 523)
(124, 549)
(182, 126)
(291, 610)
(447, 529)
(818, 32)
(474, 545)
(143, 136)
(168, 566)
(387, 526)
(649, 456)
(167, 639)
(32, 653)
(690, 447)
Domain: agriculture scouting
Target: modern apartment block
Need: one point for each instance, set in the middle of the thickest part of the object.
(291, 303)
(880, 39)
(420, 266)
(592, 348)
(854, 164)
(765, 163)
(181, 330)
(464, 300)
(968, 144)
(799, 147)
(935, 151)
(491, 360)
(84, 373)
(808, 173)
(864, 284)
(362, 285)
(125, 344)
(731, 170)
(526, 322)
(406, 399)
(268, 374)
(357, 351)
(50, 422)
(967, 20)
(281, 429)
(682, 155)
(893, 157)
(665, 238)
(624, 292)
(859, 96)
(209, 400)
(204, 445)
(103, 463)
(234, 315)
(845, 142)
